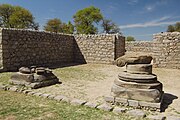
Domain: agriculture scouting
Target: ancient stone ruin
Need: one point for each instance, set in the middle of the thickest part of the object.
(137, 86)
(34, 77)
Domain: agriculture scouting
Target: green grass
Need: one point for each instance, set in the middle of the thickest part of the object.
(22, 107)
(4, 77)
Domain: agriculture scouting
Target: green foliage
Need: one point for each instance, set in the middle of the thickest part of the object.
(55, 25)
(4, 77)
(84, 20)
(16, 17)
(174, 28)
(68, 28)
(177, 27)
(170, 28)
(6, 11)
(110, 27)
(130, 38)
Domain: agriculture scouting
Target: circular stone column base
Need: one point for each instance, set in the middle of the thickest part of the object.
(139, 68)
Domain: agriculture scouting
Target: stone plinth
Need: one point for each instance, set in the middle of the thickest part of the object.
(137, 85)
(34, 77)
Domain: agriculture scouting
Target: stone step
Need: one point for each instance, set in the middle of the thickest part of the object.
(125, 84)
(139, 68)
(140, 78)
(148, 95)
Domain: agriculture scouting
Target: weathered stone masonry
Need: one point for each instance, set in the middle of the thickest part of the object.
(99, 48)
(25, 48)
(165, 49)
(1, 64)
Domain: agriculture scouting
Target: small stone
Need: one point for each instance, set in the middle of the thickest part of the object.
(51, 96)
(78, 102)
(105, 107)
(38, 94)
(91, 104)
(109, 99)
(118, 110)
(156, 117)
(31, 93)
(137, 113)
(34, 85)
(121, 100)
(59, 97)
(45, 95)
(25, 70)
(133, 103)
(65, 99)
(26, 91)
(2, 87)
(149, 104)
(13, 89)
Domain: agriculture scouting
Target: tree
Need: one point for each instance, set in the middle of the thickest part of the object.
(68, 28)
(110, 27)
(177, 27)
(16, 17)
(173, 28)
(53, 25)
(86, 18)
(56, 25)
(130, 38)
(6, 11)
(170, 28)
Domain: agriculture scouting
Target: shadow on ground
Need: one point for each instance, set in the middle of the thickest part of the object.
(167, 100)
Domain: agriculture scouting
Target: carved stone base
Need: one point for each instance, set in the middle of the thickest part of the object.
(135, 103)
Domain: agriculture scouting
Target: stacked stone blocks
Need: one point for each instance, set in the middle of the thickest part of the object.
(20, 47)
(165, 49)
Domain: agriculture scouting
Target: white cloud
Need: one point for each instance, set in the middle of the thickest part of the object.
(152, 7)
(133, 2)
(158, 22)
(149, 8)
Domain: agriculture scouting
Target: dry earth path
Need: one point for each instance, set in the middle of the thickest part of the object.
(93, 81)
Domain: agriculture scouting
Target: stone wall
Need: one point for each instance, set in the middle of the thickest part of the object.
(98, 48)
(165, 49)
(140, 46)
(1, 64)
(27, 48)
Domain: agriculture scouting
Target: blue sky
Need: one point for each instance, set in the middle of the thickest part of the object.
(138, 18)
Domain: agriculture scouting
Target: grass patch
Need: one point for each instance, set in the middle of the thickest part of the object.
(79, 73)
(4, 77)
(23, 107)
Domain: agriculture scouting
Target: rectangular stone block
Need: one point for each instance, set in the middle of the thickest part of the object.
(121, 100)
(51, 96)
(151, 105)
(31, 93)
(133, 103)
(37, 94)
(26, 91)
(105, 107)
(58, 98)
(91, 104)
(118, 110)
(78, 102)
(109, 99)
(45, 95)
(14, 89)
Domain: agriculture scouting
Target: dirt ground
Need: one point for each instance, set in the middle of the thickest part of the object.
(95, 81)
